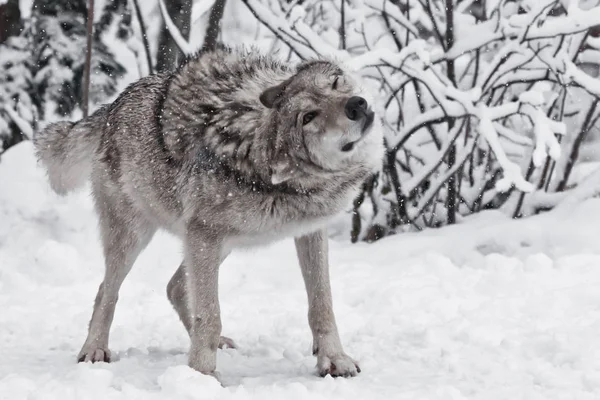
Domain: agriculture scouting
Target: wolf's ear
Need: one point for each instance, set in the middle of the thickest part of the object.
(270, 97)
(283, 171)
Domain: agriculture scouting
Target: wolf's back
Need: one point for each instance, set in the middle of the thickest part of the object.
(67, 150)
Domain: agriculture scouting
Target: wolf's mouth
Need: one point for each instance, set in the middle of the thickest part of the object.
(368, 122)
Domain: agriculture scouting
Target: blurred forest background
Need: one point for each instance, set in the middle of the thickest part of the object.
(486, 104)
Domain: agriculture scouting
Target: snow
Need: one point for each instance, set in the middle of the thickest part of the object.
(488, 309)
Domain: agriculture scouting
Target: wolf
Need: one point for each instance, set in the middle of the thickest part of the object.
(233, 149)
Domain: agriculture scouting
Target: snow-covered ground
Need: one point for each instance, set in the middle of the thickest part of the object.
(490, 309)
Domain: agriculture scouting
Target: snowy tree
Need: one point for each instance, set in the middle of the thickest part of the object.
(58, 32)
(43, 64)
(17, 114)
(17, 111)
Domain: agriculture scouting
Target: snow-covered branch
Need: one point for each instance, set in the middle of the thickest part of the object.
(526, 28)
(282, 29)
(185, 46)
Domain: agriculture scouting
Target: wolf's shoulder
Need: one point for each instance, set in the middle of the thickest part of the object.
(232, 68)
(147, 90)
(243, 57)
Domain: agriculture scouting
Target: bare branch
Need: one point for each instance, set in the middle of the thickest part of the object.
(140, 19)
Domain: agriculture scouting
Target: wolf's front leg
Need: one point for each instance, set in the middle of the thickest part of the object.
(312, 252)
(204, 254)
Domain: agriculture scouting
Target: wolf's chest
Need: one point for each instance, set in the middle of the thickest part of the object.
(277, 231)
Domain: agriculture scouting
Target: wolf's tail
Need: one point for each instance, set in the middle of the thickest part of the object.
(67, 151)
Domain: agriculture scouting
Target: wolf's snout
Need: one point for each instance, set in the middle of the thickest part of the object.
(356, 108)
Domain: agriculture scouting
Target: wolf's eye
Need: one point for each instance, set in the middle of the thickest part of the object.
(335, 83)
(309, 116)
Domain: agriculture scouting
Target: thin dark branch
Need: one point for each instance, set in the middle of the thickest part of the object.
(343, 24)
(452, 191)
(441, 157)
(548, 165)
(436, 29)
(386, 19)
(140, 19)
(440, 184)
(409, 30)
(88, 59)
(409, 134)
(397, 186)
(430, 129)
(274, 30)
(585, 128)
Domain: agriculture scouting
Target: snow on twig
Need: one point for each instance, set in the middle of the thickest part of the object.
(575, 21)
(320, 46)
(512, 171)
(589, 187)
(512, 136)
(281, 28)
(574, 74)
(462, 104)
(415, 61)
(394, 12)
(385, 56)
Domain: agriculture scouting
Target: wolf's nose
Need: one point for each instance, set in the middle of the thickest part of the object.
(356, 108)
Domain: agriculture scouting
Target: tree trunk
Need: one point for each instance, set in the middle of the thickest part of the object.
(214, 25)
(10, 20)
(452, 195)
(169, 55)
(88, 59)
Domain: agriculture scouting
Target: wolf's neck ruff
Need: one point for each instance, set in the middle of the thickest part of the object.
(220, 120)
(216, 116)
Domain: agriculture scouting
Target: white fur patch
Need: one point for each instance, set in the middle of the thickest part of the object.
(268, 236)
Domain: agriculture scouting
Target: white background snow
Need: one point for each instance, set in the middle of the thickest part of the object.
(488, 309)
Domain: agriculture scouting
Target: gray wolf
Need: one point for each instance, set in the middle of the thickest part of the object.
(233, 149)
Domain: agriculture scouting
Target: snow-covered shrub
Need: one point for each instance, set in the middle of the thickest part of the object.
(476, 96)
(17, 112)
(41, 69)
(59, 42)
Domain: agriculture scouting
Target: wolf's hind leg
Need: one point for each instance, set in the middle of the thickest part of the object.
(177, 294)
(124, 234)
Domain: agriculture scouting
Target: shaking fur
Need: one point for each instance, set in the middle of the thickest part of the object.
(233, 149)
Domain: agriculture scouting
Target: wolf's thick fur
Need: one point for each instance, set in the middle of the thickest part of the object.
(233, 149)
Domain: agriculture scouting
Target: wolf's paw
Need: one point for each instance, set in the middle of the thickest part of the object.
(94, 354)
(337, 365)
(225, 342)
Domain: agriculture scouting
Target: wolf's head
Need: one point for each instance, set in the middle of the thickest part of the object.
(324, 123)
